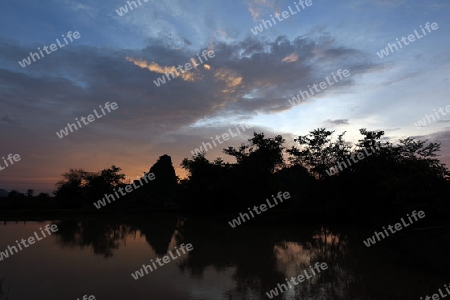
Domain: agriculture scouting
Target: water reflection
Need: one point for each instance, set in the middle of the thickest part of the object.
(103, 237)
(254, 258)
(4, 290)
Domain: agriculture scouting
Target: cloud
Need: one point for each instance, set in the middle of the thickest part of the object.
(392, 129)
(401, 78)
(290, 58)
(259, 7)
(390, 3)
(90, 10)
(245, 78)
(337, 122)
(10, 119)
(247, 67)
(231, 78)
(154, 67)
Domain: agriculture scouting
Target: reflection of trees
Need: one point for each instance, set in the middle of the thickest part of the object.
(258, 255)
(105, 236)
(329, 246)
(298, 248)
(249, 251)
(102, 237)
(4, 291)
(261, 256)
(158, 231)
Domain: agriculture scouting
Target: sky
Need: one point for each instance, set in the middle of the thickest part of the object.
(247, 79)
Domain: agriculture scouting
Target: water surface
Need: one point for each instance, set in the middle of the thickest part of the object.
(96, 256)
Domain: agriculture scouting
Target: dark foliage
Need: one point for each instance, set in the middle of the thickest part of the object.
(331, 179)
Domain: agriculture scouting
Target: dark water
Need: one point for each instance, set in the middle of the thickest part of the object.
(96, 256)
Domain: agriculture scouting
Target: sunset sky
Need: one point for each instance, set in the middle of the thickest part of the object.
(249, 80)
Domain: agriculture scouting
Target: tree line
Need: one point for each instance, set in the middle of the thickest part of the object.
(326, 176)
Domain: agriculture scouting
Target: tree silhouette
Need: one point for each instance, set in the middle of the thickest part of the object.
(261, 155)
(164, 186)
(79, 187)
(374, 178)
(318, 152)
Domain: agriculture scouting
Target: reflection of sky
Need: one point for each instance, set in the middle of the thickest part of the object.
(290, 257)
(293, 259)
(31, 273)
(251, 77)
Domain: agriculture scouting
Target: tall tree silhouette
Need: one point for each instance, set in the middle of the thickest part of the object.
(164, 186)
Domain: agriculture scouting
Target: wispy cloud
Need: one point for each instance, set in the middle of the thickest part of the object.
(389, 2)
(260, 7)
(337, 122)
(154, 67)
(10, 119)
(291, 58)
